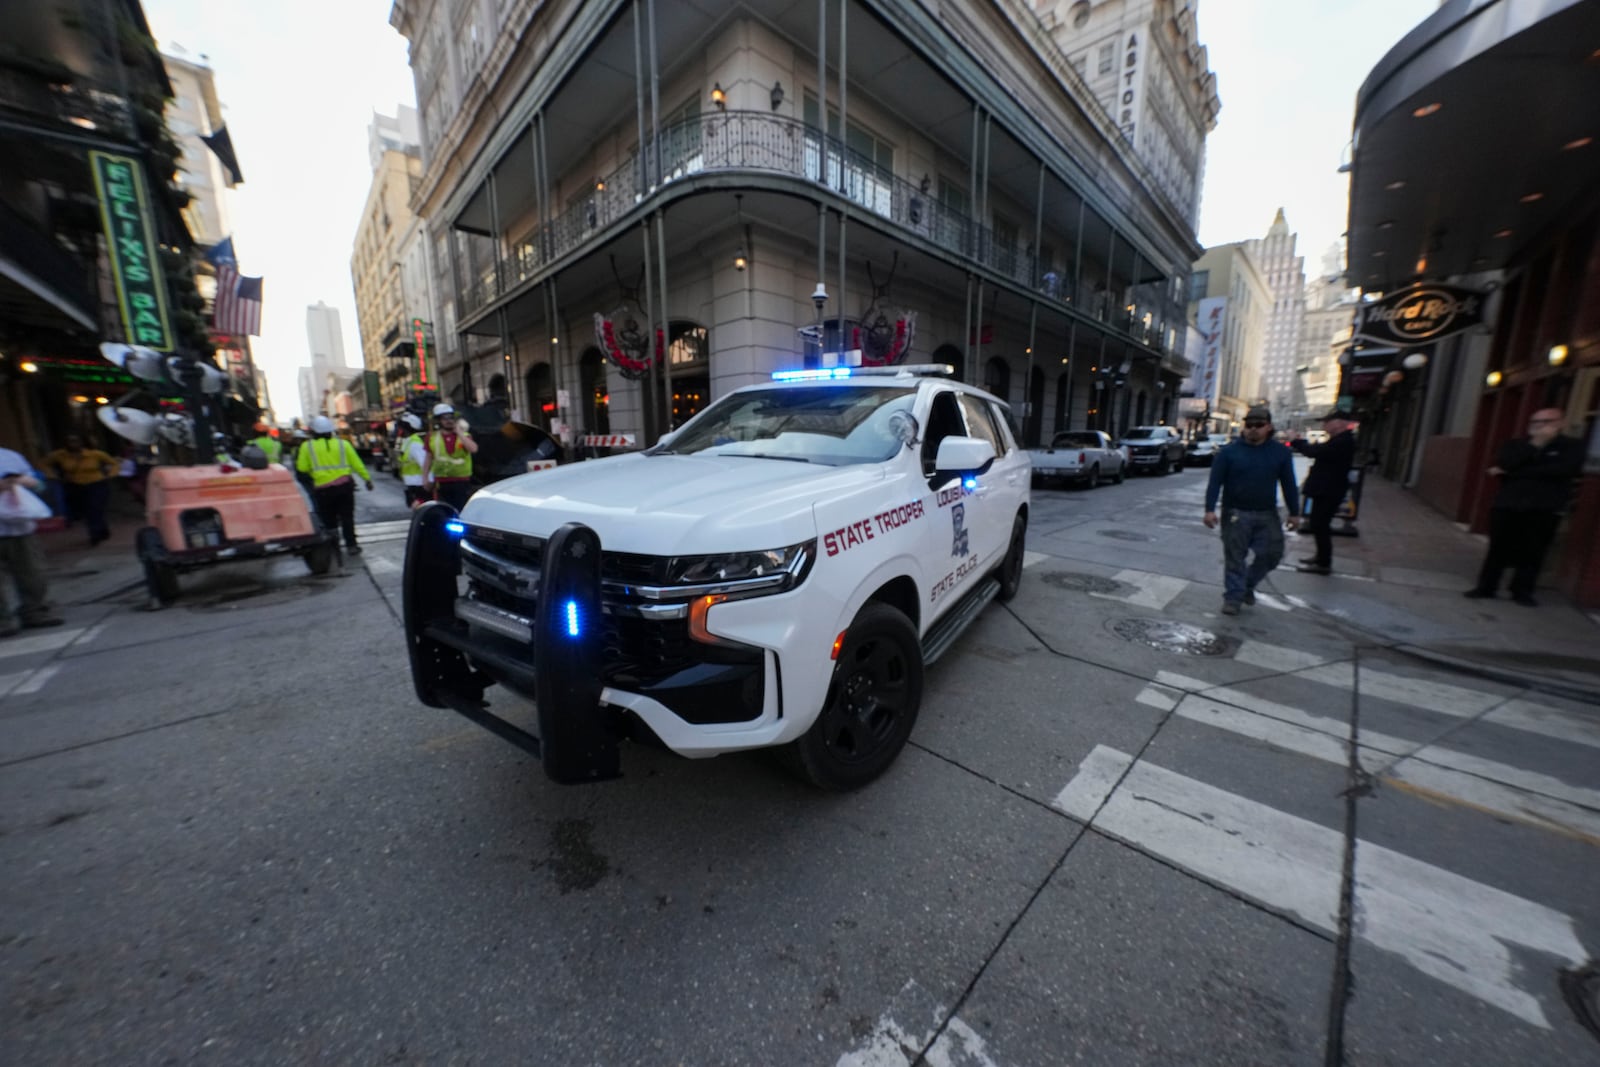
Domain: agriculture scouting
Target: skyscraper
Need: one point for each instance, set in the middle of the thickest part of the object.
(325, 339)
(1284, 273)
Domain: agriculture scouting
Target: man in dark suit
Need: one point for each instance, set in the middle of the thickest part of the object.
(1536, 473)
(1327, 484)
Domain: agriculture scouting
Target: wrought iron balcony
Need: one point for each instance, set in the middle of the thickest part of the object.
(756, 141)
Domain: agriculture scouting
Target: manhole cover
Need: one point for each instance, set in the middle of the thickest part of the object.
(1171, 636)
(1124, 535)
(1082, 583)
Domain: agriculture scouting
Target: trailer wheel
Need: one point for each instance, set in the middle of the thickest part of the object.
(319, 558)
(160, 578)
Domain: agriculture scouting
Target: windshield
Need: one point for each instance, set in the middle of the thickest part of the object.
(1075, 440)
(831, 425)
(1139, 433)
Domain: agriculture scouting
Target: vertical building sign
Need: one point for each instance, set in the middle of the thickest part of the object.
(1127, 109)
(419, 336)
(1211, 318)
(131, 245)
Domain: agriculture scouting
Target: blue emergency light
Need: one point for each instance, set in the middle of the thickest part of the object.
(971, 483)
(811, 374)
(454, 528)
(572, 618)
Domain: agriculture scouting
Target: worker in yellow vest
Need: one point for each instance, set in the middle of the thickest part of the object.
(448, 466)
(413, 456)
(333, 464)
(267, 443)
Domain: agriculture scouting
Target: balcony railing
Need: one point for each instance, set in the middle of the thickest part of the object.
(755, 141)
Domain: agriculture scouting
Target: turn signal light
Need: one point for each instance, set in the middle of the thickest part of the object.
(697, 618)
(838, 643)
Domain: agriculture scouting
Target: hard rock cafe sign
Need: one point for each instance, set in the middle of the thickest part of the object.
(1420, 314)
(884, 335)
(624, 339)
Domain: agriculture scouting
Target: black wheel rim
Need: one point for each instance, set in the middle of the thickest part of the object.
(868, 699)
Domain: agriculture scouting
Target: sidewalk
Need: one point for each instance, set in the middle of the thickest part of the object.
(1400, 581)
(78, 574)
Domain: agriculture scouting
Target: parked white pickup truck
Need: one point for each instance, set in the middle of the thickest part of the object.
(1084, 456)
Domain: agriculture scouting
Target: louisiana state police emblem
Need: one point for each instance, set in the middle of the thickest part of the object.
(958, 515)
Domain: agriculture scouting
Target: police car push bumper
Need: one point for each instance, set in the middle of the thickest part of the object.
(554, 654)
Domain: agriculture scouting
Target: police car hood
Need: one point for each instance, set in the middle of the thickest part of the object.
(672, 505)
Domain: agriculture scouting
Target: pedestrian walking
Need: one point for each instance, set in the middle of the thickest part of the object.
(85, 475)
(1247, 474)
(1536, 474)
(449, 461)
(413, 457)
(1326, 484)
(333, 464)
(20, 560)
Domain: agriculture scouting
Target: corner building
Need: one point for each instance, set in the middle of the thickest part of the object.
(777, 185)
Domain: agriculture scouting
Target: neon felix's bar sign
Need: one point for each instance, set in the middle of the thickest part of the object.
(135, 265)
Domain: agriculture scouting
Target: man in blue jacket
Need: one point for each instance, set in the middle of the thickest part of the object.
(1327, 484)
(1248, 474)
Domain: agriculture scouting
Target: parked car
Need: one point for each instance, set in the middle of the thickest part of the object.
(777, 572)
(1083, 456)
(1202, 450)
(1153, 448)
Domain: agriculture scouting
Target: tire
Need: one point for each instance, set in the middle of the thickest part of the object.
(1010, 571)
(871, 706)
(1122, 473)
(1093, 481)
(1178, 466)
(1164, 468)
(162, 581)
(319, 558)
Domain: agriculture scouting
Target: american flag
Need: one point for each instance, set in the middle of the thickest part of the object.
(238, 305)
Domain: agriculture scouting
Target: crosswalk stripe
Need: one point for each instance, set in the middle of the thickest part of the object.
(1030, 558)
(907, 1026)
(1441, 697)
(1276, 657)
(1153, 591)
(38, 679)
(386, 526)
(1445, 925)
(45, 642)
(380, 565)
(1442, 774)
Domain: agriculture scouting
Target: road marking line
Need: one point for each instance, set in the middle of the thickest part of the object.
(380, 565)
(1270, 601)
(1154, 591)
(1030, 558)
(47, 642)
(386, 526)
(1443, 774)
(1442, 697)
(1444, 925)
(88, 635)
(36, 683)
(1551, 722)
(1275, 657)
(1159, 696)
(894, 1043)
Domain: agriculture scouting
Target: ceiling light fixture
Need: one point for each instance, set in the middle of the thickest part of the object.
(1502, 233)
(1581, 142)
(1386, 224)
(718, 97)
(1557, 355)
(1396, 184)
(1531, 197)
(1493, 379)
(1425, 110)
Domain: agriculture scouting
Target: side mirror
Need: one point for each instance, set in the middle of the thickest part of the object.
(963, 455)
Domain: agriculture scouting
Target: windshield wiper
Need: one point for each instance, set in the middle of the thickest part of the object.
(764, 455)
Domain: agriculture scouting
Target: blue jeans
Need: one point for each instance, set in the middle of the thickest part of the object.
(1245, 533)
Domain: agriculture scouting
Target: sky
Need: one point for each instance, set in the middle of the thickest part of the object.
(300, 79)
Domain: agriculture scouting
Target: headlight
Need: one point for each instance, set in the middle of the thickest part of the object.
(769, 571)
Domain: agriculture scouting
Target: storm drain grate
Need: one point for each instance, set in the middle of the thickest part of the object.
(1079, 582)
(1171, 636)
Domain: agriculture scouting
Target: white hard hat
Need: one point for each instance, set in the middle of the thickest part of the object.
(443, 409)
(413, 421)
(322, 424)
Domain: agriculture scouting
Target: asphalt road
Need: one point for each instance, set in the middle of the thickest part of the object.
(231, 835)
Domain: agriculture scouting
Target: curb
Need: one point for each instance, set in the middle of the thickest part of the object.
(1543, 683)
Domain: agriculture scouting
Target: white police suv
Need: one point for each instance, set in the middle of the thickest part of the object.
(779, 571)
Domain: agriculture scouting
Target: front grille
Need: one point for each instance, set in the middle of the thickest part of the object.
(701, 682)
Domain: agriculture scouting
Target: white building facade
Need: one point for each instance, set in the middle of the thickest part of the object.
(1230, 302)
(620, 236)
(1142, 60)
(1285, 276)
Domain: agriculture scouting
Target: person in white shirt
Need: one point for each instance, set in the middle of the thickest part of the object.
(19, 553)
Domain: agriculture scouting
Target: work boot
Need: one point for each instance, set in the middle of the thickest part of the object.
(354, 550)
(1314, 568)
(1249, 598)
(1230, 607)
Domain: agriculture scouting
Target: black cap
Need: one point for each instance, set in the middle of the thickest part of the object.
(1260, 411)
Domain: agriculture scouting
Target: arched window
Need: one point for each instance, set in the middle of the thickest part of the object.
(541, 396)
(952, 355)
(596, 394)
(1033, 427)
(997, 378)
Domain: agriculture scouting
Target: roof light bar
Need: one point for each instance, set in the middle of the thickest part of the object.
(810, 375)
(909, 370)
